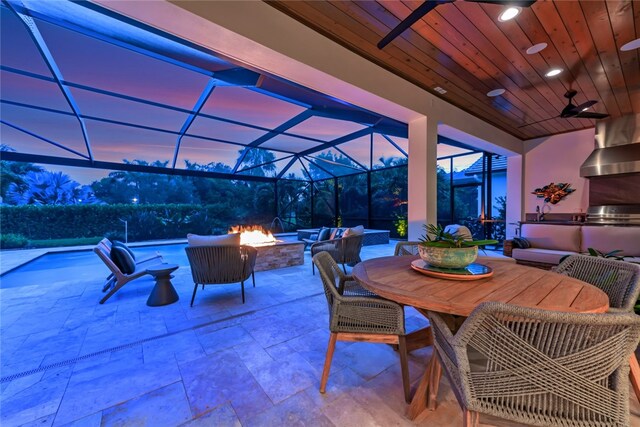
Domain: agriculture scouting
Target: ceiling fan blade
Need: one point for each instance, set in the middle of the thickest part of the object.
(418, 13)
(589, 115)
(535, 123)
(585, 105)
(519, 3)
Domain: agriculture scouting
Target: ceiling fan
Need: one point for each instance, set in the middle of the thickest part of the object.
(572, 111)
(578, 111)
(429, 5)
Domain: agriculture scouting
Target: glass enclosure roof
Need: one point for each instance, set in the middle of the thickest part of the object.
(82, 86)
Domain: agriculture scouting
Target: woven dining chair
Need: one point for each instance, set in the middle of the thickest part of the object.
(619, 280)
(406, 248)
(358, 318)
(221, 265)
(539, 367)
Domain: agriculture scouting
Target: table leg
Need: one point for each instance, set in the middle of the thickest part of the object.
(419, 339)
(419, 401)
(163, 292)
(634, 374)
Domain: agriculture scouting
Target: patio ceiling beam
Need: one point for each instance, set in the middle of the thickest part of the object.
(392, 142)
(282, 128)
(63, 161)
(42, 138)
(46, 54)
(204, 96)
(353, 135)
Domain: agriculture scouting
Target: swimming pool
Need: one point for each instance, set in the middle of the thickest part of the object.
(85, 265)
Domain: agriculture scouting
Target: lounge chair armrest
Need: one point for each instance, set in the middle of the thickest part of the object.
(157, 255)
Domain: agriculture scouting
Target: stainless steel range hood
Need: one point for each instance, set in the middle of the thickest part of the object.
(617, 148)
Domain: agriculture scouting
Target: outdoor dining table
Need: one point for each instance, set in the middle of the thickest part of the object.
(394, 279)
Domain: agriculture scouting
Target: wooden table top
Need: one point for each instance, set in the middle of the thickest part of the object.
(393, 278)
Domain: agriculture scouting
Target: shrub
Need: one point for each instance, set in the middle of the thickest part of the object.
(12, 241)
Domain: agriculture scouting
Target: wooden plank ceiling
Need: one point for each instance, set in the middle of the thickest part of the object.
(464, 49)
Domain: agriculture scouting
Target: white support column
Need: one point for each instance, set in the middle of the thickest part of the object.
(514, 194)
(423, 140)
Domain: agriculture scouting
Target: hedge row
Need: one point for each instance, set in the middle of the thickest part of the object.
(145, 222)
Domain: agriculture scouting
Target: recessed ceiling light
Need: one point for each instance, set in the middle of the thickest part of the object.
(536, 48)
(553, 72)
(439, 90)
(495, 92)
(509, 13)
(633, 44)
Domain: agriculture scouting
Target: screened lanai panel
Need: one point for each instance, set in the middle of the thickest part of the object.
(61, 128)
(95, 63)
(294, 204)
(353, 200)
(270, 170)
(358, 149)
(116, 143)
(259, 157)
(336, 164)
(28, 144)
(30, 91)
(389, 200)
(212, 156)
(248, 106)
(122, 110)
(324, 129)
(403, 143)
(385, 154)
(296, 172)
(289, 143)
(315, 171)
(224, 131)
(17, 49)
(324, 203)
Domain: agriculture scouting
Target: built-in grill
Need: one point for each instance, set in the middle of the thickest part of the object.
(614, 214)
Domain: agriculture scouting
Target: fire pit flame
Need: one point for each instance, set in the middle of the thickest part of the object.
(253, 235)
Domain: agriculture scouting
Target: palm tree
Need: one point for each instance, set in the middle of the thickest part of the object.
(43, 188)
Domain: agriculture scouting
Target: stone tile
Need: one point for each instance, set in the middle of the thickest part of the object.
(93, 420)
(208, 385)
(166, 406)
(252, 354)
(184, 346)
(224, 338)
(45, 421)
(284, 377)
(339, 383)
(35, 401)
(297, 410)
(102, 386)
(367, 359)
(222, 416)
(347, 412)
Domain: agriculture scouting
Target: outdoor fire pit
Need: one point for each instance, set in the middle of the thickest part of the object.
(272, 253)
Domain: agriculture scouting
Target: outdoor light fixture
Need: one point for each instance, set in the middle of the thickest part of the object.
(553, 72)
(496, 92)
(536, 48)
(509, 13)
(633, 44)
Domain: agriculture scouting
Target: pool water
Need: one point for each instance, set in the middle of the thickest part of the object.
(85, 265)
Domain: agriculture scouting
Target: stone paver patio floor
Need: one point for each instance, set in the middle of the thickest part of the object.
(67, 360)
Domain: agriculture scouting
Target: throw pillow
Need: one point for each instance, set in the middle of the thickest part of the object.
(125, 247)
(521, 243)
(222, 240)
(339, 233)
(324, 234)
(332, 233)
(122, 260)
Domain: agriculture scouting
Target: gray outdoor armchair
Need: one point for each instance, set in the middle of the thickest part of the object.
(221, 265)
(345, 250)
(539, 367)
(618, 279)
(359, 318)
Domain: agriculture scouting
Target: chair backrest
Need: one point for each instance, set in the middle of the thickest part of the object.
(544, 367)
(618, 279)
(221, 264)
(406, 248)
(329, 273)
(350, 247)
(103, 250)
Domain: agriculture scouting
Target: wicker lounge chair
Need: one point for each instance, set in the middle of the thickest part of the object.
(406, 248)
(345, 250)
(528, 374)
(359, 318)
(117, 279)
(619, 280)
(218, 265)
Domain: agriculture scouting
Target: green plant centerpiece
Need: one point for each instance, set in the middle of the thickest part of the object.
(446, 250)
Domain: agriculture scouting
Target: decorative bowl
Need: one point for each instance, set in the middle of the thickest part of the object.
(448, 257)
